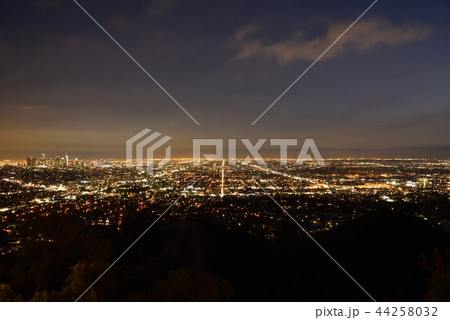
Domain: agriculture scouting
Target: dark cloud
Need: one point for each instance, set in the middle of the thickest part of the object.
(365, 35)
(121, 22)
(159, 8)
(46, 3)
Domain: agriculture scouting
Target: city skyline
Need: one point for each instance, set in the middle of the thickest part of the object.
(190, 158)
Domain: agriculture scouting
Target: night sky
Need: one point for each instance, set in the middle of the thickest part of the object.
(382, 91)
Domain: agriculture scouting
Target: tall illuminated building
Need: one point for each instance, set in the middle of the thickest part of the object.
(42, 160)
(31, 162)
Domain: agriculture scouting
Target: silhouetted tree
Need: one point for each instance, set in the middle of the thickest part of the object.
(7, 294)
(188, 284)
(439, 282)
(83, 275)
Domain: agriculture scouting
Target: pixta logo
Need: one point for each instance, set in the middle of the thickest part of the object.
(308, 147)
(145, 140)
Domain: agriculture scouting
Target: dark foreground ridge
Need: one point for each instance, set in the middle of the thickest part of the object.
(394, 257)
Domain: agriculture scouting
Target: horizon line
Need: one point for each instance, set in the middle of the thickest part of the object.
(243, 158)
